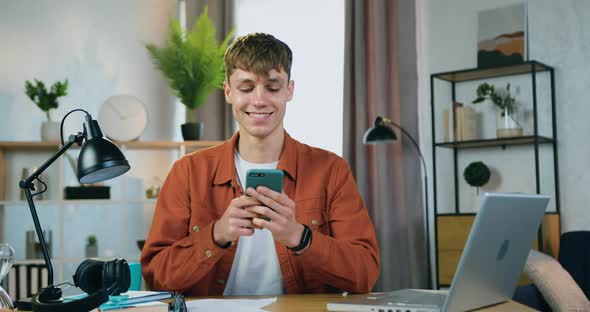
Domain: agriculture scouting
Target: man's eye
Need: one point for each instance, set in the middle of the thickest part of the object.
(246, 90)
(274, 89)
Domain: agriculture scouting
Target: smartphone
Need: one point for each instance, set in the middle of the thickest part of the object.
(271, 178)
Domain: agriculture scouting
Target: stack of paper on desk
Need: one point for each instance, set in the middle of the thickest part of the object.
(229, 305)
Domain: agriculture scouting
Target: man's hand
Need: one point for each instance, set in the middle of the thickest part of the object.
(280, 209)
(236, 221)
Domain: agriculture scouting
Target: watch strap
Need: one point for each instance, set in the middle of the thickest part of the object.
(305, 239)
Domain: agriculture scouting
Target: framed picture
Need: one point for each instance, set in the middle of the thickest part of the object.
(502, 36)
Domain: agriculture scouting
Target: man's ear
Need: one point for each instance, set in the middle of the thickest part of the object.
(227, 92)
(290, 89)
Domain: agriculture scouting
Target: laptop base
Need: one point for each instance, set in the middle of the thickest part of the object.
(406, 300)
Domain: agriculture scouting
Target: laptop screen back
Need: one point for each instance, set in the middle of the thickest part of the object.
(496, 250)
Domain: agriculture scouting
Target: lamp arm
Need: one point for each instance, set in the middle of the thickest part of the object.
(61, 126)
(27, 185)
(427, 211)
(388, 121)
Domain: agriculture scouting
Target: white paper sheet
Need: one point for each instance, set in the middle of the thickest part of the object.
(229, 305)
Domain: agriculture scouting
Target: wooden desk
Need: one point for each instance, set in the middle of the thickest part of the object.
(317, 302)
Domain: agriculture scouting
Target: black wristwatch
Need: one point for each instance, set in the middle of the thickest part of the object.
(305, 239)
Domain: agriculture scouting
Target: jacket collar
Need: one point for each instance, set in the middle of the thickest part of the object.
(226, 168)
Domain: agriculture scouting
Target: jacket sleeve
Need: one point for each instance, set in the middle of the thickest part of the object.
(176, 257)
(348, 259)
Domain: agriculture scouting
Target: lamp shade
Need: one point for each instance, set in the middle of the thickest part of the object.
(99, 158)
(381, 133)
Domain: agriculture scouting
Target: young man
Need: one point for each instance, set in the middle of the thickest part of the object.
(209, 238)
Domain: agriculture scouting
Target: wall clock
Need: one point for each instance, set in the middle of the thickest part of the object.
(123, 118)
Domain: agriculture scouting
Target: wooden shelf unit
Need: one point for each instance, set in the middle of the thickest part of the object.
(10, 150)
(14, 146)
(24, 145)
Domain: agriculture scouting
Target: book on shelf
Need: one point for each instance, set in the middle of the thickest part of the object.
(446, 126)
(467, 117)
(463, 122)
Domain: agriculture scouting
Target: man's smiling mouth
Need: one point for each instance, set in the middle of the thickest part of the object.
(259, 115)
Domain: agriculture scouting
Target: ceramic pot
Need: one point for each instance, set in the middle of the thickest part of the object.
(92, 251)
(192, 131)
(50, 131)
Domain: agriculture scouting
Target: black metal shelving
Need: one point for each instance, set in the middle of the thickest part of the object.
(534, 140)
(502, 142)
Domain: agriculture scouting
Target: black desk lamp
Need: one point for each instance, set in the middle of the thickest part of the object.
(99, 160)
(383, 133)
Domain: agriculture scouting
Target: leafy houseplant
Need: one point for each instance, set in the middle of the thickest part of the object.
(47, 100)
(477, 174)
(506, 125)
(192, 61)
(501, 98)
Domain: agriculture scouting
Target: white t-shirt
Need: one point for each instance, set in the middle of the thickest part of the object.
(255, 270)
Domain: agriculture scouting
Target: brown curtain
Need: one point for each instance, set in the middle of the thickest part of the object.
(215, 112)
(381, 79)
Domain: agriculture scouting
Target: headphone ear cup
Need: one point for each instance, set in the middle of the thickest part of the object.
(108, 277)
(116, 277)
(88, 276)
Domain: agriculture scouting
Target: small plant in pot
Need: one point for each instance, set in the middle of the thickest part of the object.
(193, 63)
(47, 100)
(91, 247)
(506, 124)
(477, 174)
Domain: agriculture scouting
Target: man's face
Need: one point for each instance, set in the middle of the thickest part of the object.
(258, 102)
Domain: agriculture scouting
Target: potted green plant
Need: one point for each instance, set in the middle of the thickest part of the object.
(193, 63)
(91, 247)
(506, 124)
(47, 100)
(477, 174)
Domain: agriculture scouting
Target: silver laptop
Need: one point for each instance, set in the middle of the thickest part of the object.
(494, 256)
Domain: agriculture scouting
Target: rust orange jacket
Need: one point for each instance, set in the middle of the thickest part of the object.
(180, 254)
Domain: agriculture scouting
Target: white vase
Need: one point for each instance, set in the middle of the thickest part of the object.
(50, 131)
(506, 125)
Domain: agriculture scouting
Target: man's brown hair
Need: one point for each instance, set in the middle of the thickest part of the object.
(258, 53)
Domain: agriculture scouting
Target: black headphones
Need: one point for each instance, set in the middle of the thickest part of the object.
(97, 278)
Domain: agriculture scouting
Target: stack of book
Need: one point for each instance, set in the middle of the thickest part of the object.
(463, 124)
(134, 301)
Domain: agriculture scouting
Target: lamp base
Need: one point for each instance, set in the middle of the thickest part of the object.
(24, 304)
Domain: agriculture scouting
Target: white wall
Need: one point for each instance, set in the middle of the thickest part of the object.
(558, 36)
(314, 30)
(99, 47)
